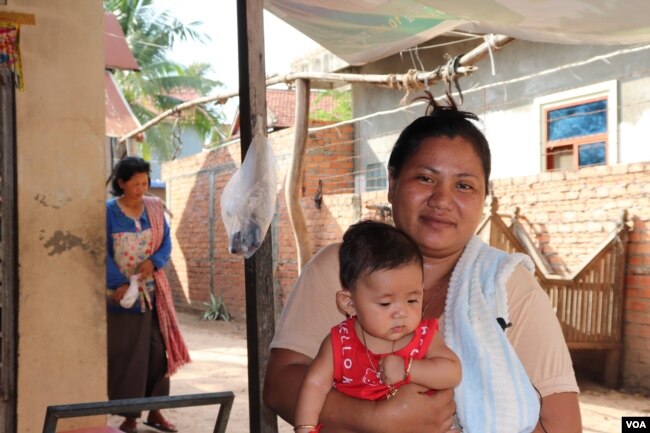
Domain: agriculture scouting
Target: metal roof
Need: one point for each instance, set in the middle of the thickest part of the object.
(117, 53)
(118, 115)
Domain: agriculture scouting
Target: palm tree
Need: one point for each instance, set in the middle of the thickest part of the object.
(151, 33)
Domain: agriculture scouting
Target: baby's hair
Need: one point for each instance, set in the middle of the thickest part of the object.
(369, 246)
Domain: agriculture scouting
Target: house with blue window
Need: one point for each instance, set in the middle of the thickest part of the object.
(561, 96)
(545, 107)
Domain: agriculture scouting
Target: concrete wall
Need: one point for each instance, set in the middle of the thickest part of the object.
(60, 129)
(524, 71)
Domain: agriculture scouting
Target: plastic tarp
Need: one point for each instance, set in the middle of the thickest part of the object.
(360, 31)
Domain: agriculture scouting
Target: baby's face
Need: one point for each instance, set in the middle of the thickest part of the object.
(388, 302)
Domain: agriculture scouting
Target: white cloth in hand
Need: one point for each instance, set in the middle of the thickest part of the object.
(132, 293)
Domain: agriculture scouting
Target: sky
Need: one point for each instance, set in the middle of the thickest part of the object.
(219, 19)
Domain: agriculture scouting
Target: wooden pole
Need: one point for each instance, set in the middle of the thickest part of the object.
(220, 98)
(465, 68)
(294, 176)
(258, 270)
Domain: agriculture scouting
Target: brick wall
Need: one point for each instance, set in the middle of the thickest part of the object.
(188, 183)
(195, 221)
(569, 214)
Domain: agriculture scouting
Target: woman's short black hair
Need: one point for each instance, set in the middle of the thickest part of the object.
(440, 120)
(370, 246)
(125, 169)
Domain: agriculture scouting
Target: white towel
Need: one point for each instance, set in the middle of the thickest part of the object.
(495, 394)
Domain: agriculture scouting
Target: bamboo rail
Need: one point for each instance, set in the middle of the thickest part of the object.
(407, 81)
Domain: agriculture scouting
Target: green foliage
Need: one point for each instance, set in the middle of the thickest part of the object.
(216, 310)
(342, 106)
(151, 33)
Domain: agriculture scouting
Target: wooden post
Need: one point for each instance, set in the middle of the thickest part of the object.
(294, 177)
(612, 373)
(258, 270)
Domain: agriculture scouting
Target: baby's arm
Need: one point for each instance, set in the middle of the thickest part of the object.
(440, 369)
(315, 387)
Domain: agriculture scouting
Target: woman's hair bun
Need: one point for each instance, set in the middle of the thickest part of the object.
(440, 110)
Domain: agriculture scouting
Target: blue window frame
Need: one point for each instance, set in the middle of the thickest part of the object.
(576, 135)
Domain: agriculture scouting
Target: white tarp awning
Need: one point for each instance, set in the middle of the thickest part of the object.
(360, 31)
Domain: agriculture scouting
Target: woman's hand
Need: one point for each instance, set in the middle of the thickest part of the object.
(391, 369)
(415, 411)
(410, 411)
(118, 294)
(146, 269)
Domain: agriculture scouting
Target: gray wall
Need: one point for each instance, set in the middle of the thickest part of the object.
(508, 102)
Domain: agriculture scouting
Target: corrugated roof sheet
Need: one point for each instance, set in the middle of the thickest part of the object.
(117, 53)
(118, 115)
(281, 108)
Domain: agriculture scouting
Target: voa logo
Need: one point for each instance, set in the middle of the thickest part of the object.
(636, 424)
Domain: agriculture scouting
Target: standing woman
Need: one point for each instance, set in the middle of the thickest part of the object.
(145, 346)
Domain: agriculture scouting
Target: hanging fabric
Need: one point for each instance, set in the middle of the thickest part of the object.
(10, 50)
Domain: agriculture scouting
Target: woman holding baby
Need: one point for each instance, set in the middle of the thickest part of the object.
(517, 375)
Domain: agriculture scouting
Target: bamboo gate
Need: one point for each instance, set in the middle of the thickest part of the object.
(588, 302)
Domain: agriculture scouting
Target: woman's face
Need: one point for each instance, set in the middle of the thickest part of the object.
(439, 194)
(136, 187)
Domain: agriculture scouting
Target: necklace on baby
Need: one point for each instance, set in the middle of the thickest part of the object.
(437, 291)
(392, 390)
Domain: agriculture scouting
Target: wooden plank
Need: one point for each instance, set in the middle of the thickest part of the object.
(574, 313)
(590, 292)
(561, 306)
(594, 311)
(19, 18)
(604, 307)
(612, 373)
(593, 345)
(260, 320)
(621, 271)
(582, 311)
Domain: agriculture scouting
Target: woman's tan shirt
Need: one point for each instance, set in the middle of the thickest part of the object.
(535, 334)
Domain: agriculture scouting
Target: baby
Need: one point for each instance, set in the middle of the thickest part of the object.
(385, 343)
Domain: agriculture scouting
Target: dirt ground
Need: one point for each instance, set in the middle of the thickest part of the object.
(218, 351)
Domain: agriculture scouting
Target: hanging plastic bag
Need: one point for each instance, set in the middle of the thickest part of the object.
(248, 199)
